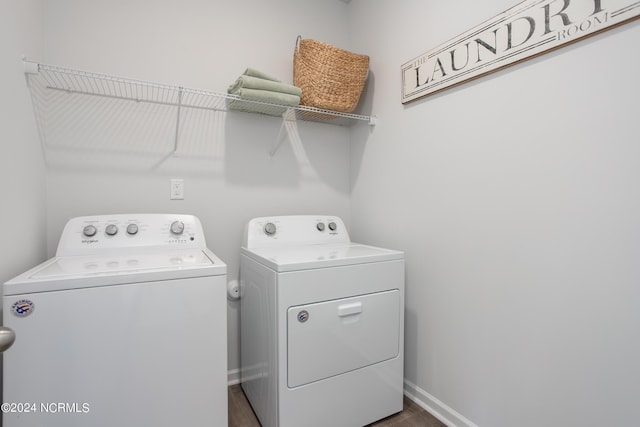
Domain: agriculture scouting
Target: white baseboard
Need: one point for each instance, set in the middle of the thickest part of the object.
(233, 377)
(435, 407)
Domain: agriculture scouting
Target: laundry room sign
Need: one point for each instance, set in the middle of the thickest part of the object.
(528, 29)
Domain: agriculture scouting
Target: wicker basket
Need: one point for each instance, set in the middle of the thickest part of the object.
(329, 77)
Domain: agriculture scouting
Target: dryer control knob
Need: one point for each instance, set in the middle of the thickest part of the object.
(177, 227)
(132, 229)
(270, 228)
(89, 230)
(320, 226)
(333, 226)
(111, 229)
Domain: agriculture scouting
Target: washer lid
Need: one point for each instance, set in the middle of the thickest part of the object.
(293, 258)
(122, 267)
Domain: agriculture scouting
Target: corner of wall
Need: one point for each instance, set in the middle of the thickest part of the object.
(435, 407)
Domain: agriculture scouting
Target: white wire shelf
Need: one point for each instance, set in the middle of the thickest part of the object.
(94, 84)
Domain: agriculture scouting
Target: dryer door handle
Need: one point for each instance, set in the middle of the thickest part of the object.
(350, 309)
(7, 337)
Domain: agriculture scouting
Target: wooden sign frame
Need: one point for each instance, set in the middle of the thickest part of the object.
(528, 29)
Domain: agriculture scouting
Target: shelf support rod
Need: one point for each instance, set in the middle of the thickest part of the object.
(175, 141)
(283, 133)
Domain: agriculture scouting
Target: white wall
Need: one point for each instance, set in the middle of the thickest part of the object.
(516, 200)
(229, 176)
(21, 165)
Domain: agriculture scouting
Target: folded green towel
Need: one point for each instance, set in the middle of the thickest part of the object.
(259, 74)
(255, 85)
(283, 100)
(250, 82)
(271, 110)
(268, 96)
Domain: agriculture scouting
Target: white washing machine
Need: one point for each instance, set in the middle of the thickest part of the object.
(322, 324)
(125, 326)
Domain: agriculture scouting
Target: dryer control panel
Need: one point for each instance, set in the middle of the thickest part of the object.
(90, 234)
(294, 230)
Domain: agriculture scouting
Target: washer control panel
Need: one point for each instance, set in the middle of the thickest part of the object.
(83, 235)
(295, 229)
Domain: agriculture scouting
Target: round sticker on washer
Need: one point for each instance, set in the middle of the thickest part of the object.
(22, 308)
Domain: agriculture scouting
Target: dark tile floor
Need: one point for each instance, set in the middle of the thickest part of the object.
(241, 414)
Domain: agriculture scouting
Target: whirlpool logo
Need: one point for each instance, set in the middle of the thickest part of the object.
(22, 308)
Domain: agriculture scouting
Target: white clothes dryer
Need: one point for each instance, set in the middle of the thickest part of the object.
(322, 324)
(125, 326)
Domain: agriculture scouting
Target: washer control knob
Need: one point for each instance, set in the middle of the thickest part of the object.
(89, 230)
(333, 226)
(177, 227)
(320, 226)
(111, 229)
(270, 229)
(132, 229)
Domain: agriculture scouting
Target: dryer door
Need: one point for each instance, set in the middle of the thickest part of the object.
(333, 337)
